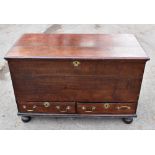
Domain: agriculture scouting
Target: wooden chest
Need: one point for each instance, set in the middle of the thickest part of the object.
(77, 75)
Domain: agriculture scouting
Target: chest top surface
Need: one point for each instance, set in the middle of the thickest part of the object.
(77, 46)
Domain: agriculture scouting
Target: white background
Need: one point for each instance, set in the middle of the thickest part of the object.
(77, 12)
(77, 142)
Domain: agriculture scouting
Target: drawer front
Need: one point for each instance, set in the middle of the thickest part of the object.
(47, 107)
(106, 108)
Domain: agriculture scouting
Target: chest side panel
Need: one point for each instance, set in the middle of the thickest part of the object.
(91, 80)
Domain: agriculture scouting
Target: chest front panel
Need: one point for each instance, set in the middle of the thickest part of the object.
(67, 80)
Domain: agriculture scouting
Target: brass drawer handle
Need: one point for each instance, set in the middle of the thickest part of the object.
(29, 110)
(91, 108)
(46, 104)
(76, 63)
(59, 108)
(124, 107)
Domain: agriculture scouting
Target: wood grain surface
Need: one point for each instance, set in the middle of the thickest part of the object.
(110, 70)
(77, 46)
(111, 108)
(41, 80)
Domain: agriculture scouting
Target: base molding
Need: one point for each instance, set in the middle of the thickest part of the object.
(77, 115)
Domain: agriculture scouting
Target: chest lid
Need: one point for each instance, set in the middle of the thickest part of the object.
(77, 46)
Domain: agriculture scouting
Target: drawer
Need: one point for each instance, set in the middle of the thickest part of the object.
(47, 107)
(106, 108)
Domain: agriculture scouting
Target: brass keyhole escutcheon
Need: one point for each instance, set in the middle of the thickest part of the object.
(106, 105)
(46, 104)
(76, 63)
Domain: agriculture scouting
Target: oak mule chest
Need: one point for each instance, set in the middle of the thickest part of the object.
(77, 75)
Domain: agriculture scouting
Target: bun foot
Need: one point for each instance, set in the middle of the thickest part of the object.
(127, 120)
(25, 119)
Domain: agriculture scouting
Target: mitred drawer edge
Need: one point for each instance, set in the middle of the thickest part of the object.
(106, 108)
(47, 107)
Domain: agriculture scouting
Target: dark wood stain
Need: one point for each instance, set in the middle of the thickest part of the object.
(125, 108)
(110, 71)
